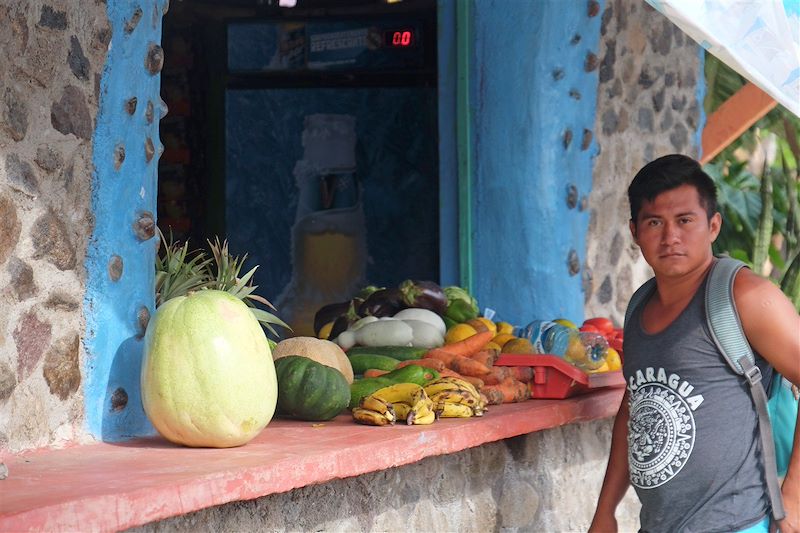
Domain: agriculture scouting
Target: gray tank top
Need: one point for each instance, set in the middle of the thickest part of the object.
(693, 445)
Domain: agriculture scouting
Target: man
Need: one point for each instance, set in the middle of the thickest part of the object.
(686, 434)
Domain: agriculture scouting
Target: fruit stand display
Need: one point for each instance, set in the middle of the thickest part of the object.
(412, 354)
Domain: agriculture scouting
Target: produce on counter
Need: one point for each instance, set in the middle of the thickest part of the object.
(461, 306)
(321, 351)
(408, 374)
(308, 390)
(195, 348)
(401, 353)
(381, 407)
(424, 295)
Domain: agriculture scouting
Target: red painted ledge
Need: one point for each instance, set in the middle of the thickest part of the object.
(108, 487)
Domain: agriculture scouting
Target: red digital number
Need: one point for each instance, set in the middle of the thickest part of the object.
(401, 38)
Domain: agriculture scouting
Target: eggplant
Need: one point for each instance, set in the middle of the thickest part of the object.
(383, 302)
(424, 295)
(329, 313)
(364, 293)
(339, 325)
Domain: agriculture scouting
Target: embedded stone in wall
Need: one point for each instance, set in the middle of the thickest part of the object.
(607, 65)
(61, 301)
(645, 119)
(679, 137)
(77, 61)
(50, 18)
(71, 114)
(22, 284)
(9, 228)
(61, 367)
(519, 504)
(8, 381)
(615, 251)
(610, 121)
(15, 114)
(606, 291)
(51, 241)
(21, 176)
(32, 337)
(47, 158)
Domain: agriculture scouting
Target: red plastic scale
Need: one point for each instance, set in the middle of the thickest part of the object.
(555, 378)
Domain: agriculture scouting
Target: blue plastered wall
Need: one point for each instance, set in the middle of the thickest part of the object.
(120, 274)
(533, 111)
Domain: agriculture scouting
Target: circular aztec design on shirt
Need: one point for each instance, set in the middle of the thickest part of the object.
(661, 435)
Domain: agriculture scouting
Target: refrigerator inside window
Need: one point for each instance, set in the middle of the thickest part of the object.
(331, 154)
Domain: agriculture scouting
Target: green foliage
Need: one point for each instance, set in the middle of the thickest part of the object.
(761, 217)
(180, 271)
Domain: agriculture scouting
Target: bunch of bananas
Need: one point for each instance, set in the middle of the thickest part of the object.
(455, 398)
(401, 401)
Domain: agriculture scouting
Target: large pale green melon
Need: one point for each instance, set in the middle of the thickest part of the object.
(207, 376)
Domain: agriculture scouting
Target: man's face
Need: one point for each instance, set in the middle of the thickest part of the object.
(674, 232)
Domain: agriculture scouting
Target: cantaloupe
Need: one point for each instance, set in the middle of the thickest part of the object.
(322, 351)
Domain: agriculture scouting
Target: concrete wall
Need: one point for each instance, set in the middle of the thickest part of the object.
(51, 57)
(546, 481)
(648, 105)
(535, 81)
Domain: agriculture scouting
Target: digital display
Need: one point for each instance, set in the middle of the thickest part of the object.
(400, 38)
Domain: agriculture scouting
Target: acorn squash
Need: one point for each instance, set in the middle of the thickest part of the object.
(308, 390)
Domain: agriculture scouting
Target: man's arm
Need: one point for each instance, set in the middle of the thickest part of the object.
(616, 481)
(772, 327)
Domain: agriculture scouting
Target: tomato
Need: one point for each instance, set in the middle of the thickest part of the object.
(602, 324)
(590, 328)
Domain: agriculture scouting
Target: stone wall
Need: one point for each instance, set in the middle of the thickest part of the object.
(647, 106)
(51, 57)
(545, 481)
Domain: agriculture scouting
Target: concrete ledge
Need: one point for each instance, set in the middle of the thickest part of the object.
(108, 487)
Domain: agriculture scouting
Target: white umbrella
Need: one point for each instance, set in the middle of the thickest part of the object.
(759, 39)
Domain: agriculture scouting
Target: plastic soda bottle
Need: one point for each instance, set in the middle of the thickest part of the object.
(585, 350)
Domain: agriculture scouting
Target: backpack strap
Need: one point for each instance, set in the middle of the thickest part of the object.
(728, 335)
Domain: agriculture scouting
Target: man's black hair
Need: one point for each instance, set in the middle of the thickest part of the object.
(667, 173)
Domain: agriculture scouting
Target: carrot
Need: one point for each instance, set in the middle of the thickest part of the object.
(494, 396)
(497, 375)
(522, 373)
(476, 382)
(468, 346)
(487, 357)
(374, 373)
(468, 367)
(447, 373)
(431, 363)
(440, 354)
(510, 389)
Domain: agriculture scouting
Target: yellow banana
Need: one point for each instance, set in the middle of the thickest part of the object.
(455, 410)
(462, 383)
(370, 417)
(438, 386)
(374, 403)
(401, 410)
(421, 406)
(399, 392)
(427, 418)
(456, 396)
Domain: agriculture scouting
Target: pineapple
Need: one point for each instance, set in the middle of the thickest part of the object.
(179, 272)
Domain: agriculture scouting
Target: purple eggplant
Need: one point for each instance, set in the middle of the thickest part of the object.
(425, 295)
(383, 302)
(329, 313)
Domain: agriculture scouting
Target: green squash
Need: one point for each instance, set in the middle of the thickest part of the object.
(308, 390)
